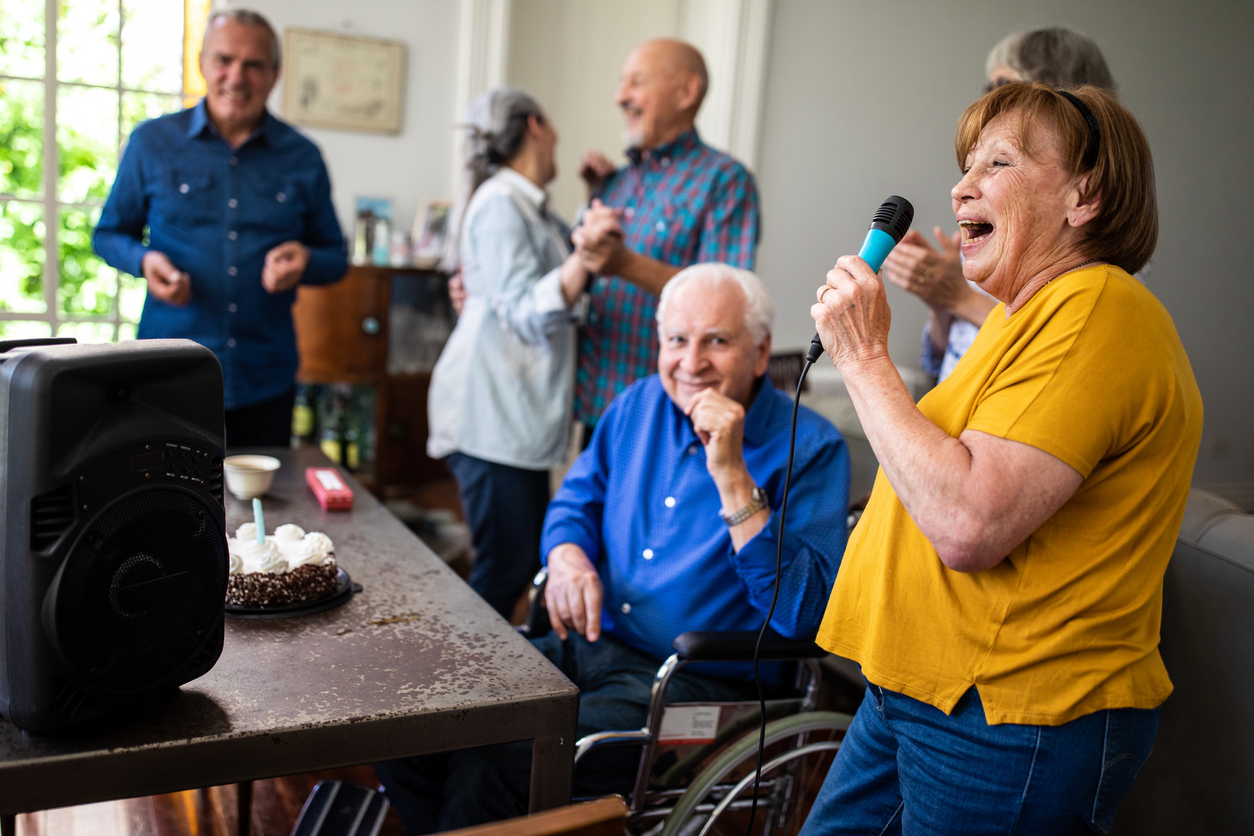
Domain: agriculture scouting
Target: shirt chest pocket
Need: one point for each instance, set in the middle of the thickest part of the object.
(273, 204)
(666, 230)
(192, 199)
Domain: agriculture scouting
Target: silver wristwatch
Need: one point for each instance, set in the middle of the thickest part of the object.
(756, 503)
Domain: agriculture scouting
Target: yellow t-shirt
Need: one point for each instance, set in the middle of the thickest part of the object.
(1090, 370)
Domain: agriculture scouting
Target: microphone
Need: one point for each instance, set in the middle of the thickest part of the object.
(888, 227)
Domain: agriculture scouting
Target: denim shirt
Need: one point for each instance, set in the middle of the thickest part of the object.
(215, 212)
(642, 505)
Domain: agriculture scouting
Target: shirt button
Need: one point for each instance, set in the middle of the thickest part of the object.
(232, 307)
(631, 211)
(232, 203)
(232, 270)
(670, 502)
(692, 449)
(280, 197)
(234, 160)
(648, 554)
(232, 235)
(666, 161)
(230, 343)
(660, 226)
(626, 608)
(184, 189)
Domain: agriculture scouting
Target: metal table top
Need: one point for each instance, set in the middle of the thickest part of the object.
(415, 663)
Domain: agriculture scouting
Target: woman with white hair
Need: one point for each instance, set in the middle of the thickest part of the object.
(1055, 56)
(500, 399)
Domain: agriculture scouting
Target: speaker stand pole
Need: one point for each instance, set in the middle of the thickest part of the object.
(244, 808)
(8, 825)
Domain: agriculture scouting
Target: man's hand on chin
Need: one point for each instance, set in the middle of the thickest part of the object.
(573, 594)
(719, 422)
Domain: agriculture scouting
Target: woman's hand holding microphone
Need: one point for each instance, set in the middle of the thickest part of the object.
(852, 314)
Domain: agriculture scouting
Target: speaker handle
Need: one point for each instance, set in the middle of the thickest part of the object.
(5, 345)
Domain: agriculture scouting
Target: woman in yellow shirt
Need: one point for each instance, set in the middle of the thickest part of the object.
(1003, 590)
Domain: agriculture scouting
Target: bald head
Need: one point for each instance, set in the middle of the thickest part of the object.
(677, 59)
(662, 86)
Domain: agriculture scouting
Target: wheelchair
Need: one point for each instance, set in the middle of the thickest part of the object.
(697, 761)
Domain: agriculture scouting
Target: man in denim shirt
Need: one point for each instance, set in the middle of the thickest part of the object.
(223, 210)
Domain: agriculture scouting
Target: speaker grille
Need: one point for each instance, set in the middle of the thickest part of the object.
(141, 590)
(51, 515)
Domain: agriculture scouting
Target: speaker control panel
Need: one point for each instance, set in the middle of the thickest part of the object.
(155, 463)
(177, 462)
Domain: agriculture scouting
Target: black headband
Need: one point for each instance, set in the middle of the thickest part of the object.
(1091, 157)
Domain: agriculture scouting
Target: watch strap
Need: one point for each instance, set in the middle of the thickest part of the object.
(756, 503)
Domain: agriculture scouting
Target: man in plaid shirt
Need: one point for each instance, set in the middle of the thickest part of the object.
(677, 202)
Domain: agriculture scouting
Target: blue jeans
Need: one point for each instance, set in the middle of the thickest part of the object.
(504, 508)
(907, 768)
(489, 783)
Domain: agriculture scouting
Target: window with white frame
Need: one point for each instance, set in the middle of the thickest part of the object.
(75, 77)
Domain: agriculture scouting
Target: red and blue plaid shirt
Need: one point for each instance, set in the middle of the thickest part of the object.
(683, 203)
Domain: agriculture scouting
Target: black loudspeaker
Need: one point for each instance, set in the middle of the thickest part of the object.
(115, 562)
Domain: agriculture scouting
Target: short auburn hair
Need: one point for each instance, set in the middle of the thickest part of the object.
(1120, 168)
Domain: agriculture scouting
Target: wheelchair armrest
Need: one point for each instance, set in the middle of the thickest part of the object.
(536, 622)
(737, 645)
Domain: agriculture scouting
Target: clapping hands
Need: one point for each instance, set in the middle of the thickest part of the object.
(934, 275)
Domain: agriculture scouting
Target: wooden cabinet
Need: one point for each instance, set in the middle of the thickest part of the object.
(345, 333)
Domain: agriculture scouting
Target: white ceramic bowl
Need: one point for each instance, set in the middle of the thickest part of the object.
(249, 476)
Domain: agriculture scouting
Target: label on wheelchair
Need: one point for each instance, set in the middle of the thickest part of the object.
(689, 724)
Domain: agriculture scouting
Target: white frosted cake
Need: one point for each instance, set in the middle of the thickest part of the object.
(290, 567)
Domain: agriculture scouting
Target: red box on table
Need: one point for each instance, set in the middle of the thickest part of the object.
(327, 485)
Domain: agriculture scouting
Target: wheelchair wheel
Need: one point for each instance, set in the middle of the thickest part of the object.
(799, 750)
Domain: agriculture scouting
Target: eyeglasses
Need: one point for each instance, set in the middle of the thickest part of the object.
(1000, 82)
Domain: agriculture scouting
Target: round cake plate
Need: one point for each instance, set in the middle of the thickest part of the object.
(344, 590)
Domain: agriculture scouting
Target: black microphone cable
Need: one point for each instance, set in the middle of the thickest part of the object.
(779, 565)
(888, 226)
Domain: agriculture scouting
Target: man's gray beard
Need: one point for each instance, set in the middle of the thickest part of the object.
(632, 139)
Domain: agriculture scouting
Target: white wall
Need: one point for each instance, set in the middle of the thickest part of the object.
(413, 165)
(862, 100)
(567, 53)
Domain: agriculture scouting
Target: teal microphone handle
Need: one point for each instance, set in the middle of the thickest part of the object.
(876, 247)
(893, 216)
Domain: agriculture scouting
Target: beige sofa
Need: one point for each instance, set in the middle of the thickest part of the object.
(1200, 778)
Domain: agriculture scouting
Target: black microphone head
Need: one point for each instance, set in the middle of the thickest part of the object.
(894, 217)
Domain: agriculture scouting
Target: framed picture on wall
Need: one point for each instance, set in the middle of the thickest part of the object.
(338, 81)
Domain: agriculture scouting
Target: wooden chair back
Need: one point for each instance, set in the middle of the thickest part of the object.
(603, 817)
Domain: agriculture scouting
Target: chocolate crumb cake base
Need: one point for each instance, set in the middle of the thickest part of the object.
(281, 570)
(256, 590)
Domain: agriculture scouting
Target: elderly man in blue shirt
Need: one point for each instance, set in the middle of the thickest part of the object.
(237, 210)
(667, 523)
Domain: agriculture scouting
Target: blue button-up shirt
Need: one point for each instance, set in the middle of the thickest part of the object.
(642, 505)
(215, 212)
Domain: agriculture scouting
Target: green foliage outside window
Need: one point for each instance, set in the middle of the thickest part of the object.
(88, 134)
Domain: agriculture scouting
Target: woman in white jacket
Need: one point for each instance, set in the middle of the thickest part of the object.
(500, 399)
